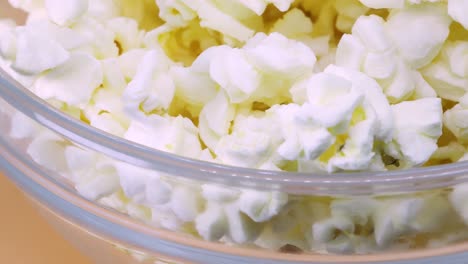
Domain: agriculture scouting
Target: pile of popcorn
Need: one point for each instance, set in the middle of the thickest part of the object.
(314, 86)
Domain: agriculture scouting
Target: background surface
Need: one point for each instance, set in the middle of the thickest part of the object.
(25, 238)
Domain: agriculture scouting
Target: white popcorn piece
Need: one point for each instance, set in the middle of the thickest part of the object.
(99, 39)
(212, 224)
(65, 12)
(106, 122)
(246, 149)
(456, 54)
(380, 65)
(129, 61)
(257, 6)
(186, 203)
(113, 76)
(176, 13)
(357, 152)
(261, 206)
(456, 11)
(195, 88)
(359, 210)
(459, 199)
(319, 45)
(282, 5)
(293, 241)
(157, 191)
(418, 125)
(241, 228)
(383, 3)
(127, 33)
(73, 82)
(427, 25)
(350, 53)
(404, 216)
(375, 97)
(454, 151)
(27, 5)
(370, 30)
(134, 181)
(392, 220)
(331, 99)
(455, 119)
(422, 88)
(348, 12)
(44, 55)
(446, 84)
(293, 24)
(324, 231)
(164, 216)
(215, 119)
(22, 126)
(401, 86)
(152, 88)
(139, 212)
(114, 201)
(219, 193)
(97, 187)
(213, 18)
(277, 55)
(103, 9)
(7, 39)
(48, 142)
(175, 135)
(234, 74)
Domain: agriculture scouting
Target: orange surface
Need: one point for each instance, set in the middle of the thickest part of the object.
(25, 238)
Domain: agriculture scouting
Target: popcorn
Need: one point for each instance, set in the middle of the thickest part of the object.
(383, 3)
(212, 223)
(22, 126)
(376, 99)
(126, 33)
(393, 220)
(27, 5)
(275, 54)
(459, 197)
(294, 24)
(455, 10)
(152, 88)
(175, 135)
(455, 119)
(218, 193)
(94, 176)
(65, 12)
(331, 100)
(186, 203)
(73, 82)
(416, 129)
(241, 229)
(232, 71)
(427, 25)
(46, 53)
(348, 12)
(282, 85)
(261, 206)
(350, 53)
(48, 142)
(7, 40)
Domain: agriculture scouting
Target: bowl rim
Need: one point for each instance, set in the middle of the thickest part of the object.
(420, 178)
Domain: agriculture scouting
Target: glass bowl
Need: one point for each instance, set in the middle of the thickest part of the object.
(109, 235)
